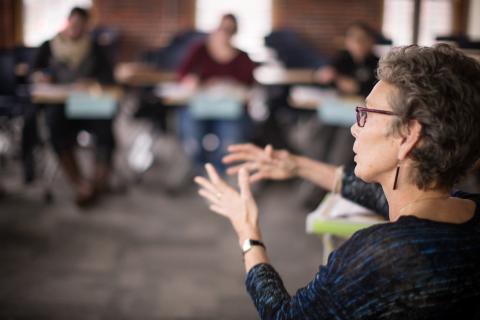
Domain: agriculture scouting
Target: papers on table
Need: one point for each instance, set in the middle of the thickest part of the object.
(307, 97)
(340, 216)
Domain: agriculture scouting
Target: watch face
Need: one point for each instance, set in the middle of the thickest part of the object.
(246, 245)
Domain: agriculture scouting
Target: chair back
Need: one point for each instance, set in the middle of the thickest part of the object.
(7, 73)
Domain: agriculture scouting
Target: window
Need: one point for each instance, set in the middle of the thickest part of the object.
(398, 21)
(254, 22)
(473, 21)
(435, 20)
(45, 18)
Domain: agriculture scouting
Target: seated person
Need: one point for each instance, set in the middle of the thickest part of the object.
(353, 69)
(71, 57)
(352, 73)
(416, 136)
(209, 63)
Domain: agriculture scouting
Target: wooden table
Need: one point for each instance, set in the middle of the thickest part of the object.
(58, 94)
(274, 75)
(139, 74)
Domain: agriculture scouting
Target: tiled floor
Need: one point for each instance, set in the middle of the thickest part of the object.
(140, 255)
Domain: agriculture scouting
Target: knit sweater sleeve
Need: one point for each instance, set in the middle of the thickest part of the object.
(272, 300)
(336, 289)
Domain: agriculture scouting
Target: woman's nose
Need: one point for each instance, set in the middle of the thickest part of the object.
(354, 130)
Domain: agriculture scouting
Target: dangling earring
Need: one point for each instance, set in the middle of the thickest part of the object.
(396, 178)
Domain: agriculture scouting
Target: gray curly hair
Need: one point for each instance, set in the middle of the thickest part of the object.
(439, 87)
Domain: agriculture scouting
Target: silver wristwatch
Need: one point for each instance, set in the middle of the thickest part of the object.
(249, 243)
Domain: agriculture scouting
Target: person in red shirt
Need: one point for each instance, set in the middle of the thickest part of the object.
(208, 63)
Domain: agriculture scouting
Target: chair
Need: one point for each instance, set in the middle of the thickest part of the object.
(293, 50)
(107, 38)
(9, 102)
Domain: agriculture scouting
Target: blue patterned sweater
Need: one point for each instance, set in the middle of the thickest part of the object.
(410, 269)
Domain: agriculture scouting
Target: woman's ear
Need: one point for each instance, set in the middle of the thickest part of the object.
(411, 136)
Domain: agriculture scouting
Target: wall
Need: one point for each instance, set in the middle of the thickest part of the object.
(10, 23)
(322, 22)
(144, 24)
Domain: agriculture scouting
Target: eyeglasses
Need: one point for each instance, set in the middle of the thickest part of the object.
(362, 114)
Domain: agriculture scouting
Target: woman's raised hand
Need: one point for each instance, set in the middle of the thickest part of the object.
(261, 163)
(239, 207)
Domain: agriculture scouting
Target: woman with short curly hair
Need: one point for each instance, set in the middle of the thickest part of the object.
(416, 136)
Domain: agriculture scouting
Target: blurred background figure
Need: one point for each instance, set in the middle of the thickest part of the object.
(351, 73)
(72, 57)
(353, 68)
(214, 62)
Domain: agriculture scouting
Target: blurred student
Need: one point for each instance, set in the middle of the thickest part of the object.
(72, 57)
(352, 72)
(353, 69)
(209, 63)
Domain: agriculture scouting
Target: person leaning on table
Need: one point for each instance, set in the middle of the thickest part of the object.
(417, 135)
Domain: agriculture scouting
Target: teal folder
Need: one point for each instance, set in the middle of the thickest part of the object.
(337, 112)
(204, 106)
(81, 105)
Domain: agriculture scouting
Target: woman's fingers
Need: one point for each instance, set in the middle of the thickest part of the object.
(242, 152)
(239, 156)
(234, 170)
(204, 183)
(219, 210)
(269, 151)
(257, 177)
(211, 197)
(241, 147)
(244, 184)
(250, 166)
(213, 175)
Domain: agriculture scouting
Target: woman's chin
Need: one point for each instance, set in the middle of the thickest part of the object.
(357, 170)
(360, 174)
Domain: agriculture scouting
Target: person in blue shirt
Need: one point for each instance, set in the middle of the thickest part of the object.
(416, 136)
